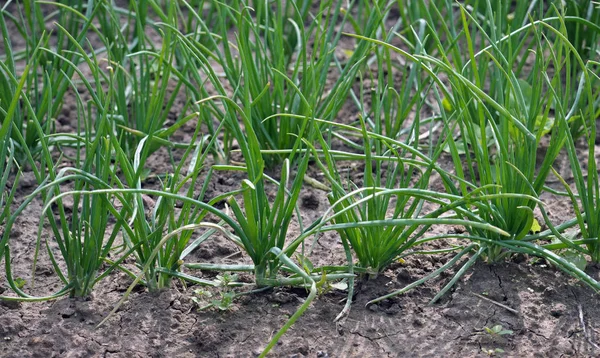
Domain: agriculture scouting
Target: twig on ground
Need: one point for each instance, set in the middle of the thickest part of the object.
(586, 333)
(496, 303)
(315, 183)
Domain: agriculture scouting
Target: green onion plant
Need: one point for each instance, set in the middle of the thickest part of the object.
(79, 236)
(152, 76)
(501, 88)
(291, 41)
(501, 130)
(505, 133)
(48, 74)
(586, 201)
(149, 219)
(395, 178)
(84, 234)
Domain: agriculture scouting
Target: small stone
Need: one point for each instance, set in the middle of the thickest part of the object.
(519, 258)
(404, 276)
(303, 347)
(393, 309)
(283, 297)
(67, 312)
(374, 308)
(28, 180)
(177, 305)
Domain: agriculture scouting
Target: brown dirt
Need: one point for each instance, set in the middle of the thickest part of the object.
(551, 311)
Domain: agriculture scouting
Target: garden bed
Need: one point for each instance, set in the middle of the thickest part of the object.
(518, 303)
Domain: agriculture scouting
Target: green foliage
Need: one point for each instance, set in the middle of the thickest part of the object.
(497, 331)
(281, 59)
(47, 76)
(384, 217)
(518, 113)
(501, 114)
(151, 218)
(587, 202)
(266, 223)
(82, 231)
(7, 193)
(257, 87)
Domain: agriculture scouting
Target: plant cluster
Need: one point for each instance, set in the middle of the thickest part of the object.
(498, 88)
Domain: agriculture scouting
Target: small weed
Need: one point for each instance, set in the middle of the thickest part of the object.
(225, 302)
(492, 352)
(497, 331)
(205, 299)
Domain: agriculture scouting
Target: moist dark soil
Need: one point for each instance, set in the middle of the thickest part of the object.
(548, 313)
